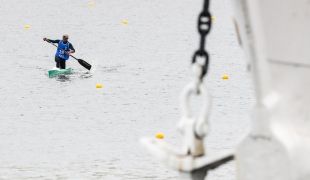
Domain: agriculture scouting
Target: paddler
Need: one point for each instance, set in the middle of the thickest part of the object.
(64, 49)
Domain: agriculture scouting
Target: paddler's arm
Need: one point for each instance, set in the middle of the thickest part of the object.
(52, 41)
(72, 50)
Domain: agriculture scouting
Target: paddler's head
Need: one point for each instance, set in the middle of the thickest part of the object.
(65, 38)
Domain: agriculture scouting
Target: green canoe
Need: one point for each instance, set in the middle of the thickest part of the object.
(56, 71)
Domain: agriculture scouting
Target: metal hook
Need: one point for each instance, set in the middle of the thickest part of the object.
(191, 156)
(194, 128)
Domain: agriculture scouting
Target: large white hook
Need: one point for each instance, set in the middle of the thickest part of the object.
(194, 128)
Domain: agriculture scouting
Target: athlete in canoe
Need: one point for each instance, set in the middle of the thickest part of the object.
(64, 49)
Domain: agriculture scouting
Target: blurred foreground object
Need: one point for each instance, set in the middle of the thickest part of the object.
(274, 35)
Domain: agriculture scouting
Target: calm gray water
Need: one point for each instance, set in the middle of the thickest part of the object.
(65, 128)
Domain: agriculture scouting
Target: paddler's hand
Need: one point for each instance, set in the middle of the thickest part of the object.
(69, 52)
(44, 39)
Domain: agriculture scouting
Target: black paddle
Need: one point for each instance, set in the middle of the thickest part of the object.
(81, 61)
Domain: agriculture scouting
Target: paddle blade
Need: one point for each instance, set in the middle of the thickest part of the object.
(84, 64)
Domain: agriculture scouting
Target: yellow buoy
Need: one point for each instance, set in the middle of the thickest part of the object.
(124, 22)
(99, 86)
(212, 18)
(27, 27)
(91, 4)
(159, 136)
(225, 77)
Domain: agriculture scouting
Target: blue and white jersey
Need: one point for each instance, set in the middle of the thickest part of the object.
(62, 48)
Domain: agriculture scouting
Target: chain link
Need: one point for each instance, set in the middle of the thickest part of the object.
(204, 26)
